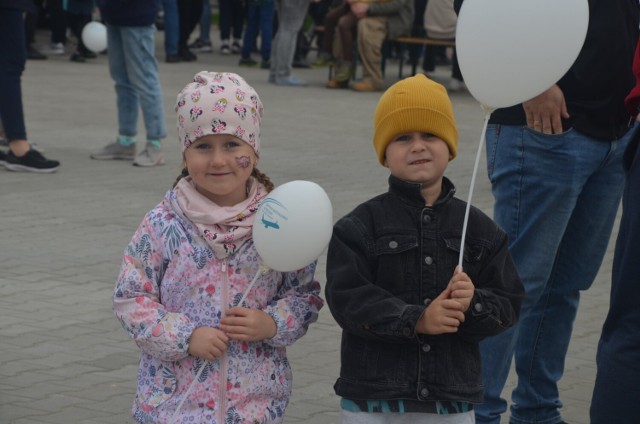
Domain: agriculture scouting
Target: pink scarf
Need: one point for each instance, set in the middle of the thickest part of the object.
(223, 228)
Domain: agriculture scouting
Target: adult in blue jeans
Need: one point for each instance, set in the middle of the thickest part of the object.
(171, 31)
(259, 19)
(133, 68)
(555, 165)
(13, 55)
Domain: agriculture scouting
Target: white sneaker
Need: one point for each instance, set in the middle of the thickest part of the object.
(456, 85)
(54, 48)
(150, 156)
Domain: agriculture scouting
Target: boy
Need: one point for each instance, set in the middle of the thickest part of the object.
(411, 319)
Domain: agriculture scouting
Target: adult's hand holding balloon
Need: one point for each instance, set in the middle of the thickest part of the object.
(512, 50)
(293, 225)
(94, 36)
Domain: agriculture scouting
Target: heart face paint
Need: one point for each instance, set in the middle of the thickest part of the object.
(243, 161)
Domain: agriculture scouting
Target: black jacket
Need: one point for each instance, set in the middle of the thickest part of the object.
(387, 259)
(129, 13)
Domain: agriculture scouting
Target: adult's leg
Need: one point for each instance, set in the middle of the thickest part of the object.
(225, 18)
(171, 27)
(330, 23)
(291, 16)
(13, 55)
(266, 30)
(347, 25)
(616, 390)
(238, 13)
(205, 21)
(189, 12)
(546, 330)
(142, 69)
(371, 34)
(253, 22)
(127, 98)
(540, 204)
(57, 22)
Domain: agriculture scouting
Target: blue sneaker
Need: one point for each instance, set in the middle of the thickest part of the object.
(291, 81)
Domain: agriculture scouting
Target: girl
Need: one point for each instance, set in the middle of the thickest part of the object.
(189, 264)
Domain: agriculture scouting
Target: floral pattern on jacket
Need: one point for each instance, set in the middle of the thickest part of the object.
(171, 283)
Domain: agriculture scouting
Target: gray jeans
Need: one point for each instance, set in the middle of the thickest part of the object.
(291, 14)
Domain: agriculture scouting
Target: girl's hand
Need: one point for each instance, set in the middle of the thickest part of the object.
(249, 325)
(461, 288)
(443, 315)
(207, 343)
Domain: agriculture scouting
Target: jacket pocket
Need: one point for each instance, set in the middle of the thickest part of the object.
(163, 384)
(474, 252)
(396, 256)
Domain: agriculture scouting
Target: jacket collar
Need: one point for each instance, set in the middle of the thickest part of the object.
(409, 191)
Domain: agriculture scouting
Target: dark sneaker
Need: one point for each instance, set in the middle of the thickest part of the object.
(3, 158)
(187, 55)
(236, 47)
(247, 62)
(33, 161)
(224, 49)
(265, 64)
(173, 58)
(77, 57)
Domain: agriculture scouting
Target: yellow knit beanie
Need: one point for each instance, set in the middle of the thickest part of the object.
(414, 104)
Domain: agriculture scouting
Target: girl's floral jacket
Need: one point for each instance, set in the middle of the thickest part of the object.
(171, 283)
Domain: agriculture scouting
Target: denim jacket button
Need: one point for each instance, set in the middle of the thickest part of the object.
(406, 332)
(424, 392)
(426, 348)
(428, 260)
(426, 301)
(393, 244)
(478, 307)
(426, 219)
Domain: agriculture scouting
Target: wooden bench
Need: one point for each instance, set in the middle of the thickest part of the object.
(409, 41)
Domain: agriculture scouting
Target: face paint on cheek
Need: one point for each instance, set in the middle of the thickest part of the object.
(243, 161)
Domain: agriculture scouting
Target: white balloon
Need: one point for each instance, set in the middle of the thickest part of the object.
(293, 225)
(94, 36)
(513, 50)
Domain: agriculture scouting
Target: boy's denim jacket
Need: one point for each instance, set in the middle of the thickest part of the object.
(387, 260)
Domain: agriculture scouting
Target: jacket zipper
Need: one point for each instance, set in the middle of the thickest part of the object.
(222, 389)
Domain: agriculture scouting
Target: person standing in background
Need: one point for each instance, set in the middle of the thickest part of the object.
(616, 390)
(555, 165)
(291, 14)
(133, 67)
(13, 53)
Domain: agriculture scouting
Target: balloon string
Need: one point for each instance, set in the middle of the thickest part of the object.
(263, 270)
(473, 183)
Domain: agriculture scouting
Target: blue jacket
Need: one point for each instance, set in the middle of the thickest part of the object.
(387, 260)
(129, 12)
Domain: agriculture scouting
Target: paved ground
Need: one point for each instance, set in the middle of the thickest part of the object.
(63, 356)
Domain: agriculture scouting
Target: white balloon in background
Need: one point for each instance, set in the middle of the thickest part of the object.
(293, 225)
(513, 50)
(94, 36)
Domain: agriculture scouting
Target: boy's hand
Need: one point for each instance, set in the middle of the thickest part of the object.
(461, 288)
(207, 343)
(443, 315)
(249, 325)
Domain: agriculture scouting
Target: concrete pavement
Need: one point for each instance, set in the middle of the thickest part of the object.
(64, 358)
